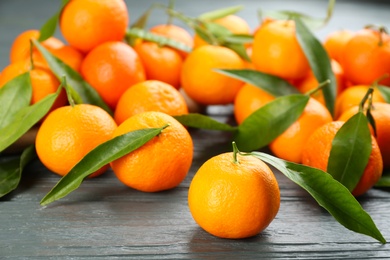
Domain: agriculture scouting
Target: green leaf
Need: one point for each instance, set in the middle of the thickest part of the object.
(319, 62)
(11, 170)
(161, 40)
(329, 193)
(351, 149)
(14, 95)
(384, 181)
(82, 90)
(310, 21)
(238, 38)
(269, 121)
(385, 92)
(239, 49)
(204, 122)
(26, 118)
(49, 28)
(99, 157)
(269, 83)
(219, 13)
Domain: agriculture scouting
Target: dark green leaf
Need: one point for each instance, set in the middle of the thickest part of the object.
(204, 122)
(161, 40)
(84, 91)
(351, 149)
(385, 92)
(269, 83)
(11, 170)
(49, 28)
(26, 118)
(216, 14)
(97, 158)
(319, 62)
(384, 180)
(14, 95)
(329, 193)
(269, 121)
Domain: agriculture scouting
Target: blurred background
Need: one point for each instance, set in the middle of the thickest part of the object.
(348, 14)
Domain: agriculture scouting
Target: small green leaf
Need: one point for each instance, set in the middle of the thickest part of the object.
(269, 121)
(319, 62)
(14, 95)
(97, 158)
(329, 193)
(49, 28)
(26, 118)
(161, 40)
(219, 13)
(269, 83)
(85, 92)
(11, 170)
(238, 38)
(238, 48)
(351, 149)
(204, 122)
(311, 22)
(385, 92)
(384, 181)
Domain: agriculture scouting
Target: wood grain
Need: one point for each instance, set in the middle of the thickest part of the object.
(104, 219)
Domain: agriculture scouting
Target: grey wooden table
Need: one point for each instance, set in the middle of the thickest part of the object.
(104, 219)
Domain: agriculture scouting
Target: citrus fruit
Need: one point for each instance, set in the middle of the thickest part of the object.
(43, 81)
(276, 50)
(69, 133)
(150, 95)
(176, 33)
(289, 144)
(111, 68)
(366, 57)
(232, 199)
(248, 99)
(316, 153)
(20, 48)
(381, 115)
(335, 42)
(86, 24)
(202, 83)
(160, 164)
(352, 96)
(160, 63)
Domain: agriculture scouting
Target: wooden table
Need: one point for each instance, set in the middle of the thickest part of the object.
(105, 219)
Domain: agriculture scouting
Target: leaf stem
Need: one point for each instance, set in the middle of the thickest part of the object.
(68, 91)
(320, 86)
(31, 55)
(235, 152)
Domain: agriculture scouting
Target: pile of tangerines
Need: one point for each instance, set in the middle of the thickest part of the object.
(146, 84)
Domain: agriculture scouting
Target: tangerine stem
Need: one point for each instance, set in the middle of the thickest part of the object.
(320, 86)
(376, 82)
(235, 152)
(31, 55)
(365, 98)
(170, 16)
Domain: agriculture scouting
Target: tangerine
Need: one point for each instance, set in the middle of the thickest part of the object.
(317, 149)
(86, 24)
(111, 68)
(150, 95)
(69, 133)
(160, 164)
(234, 198)
(202, 83)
